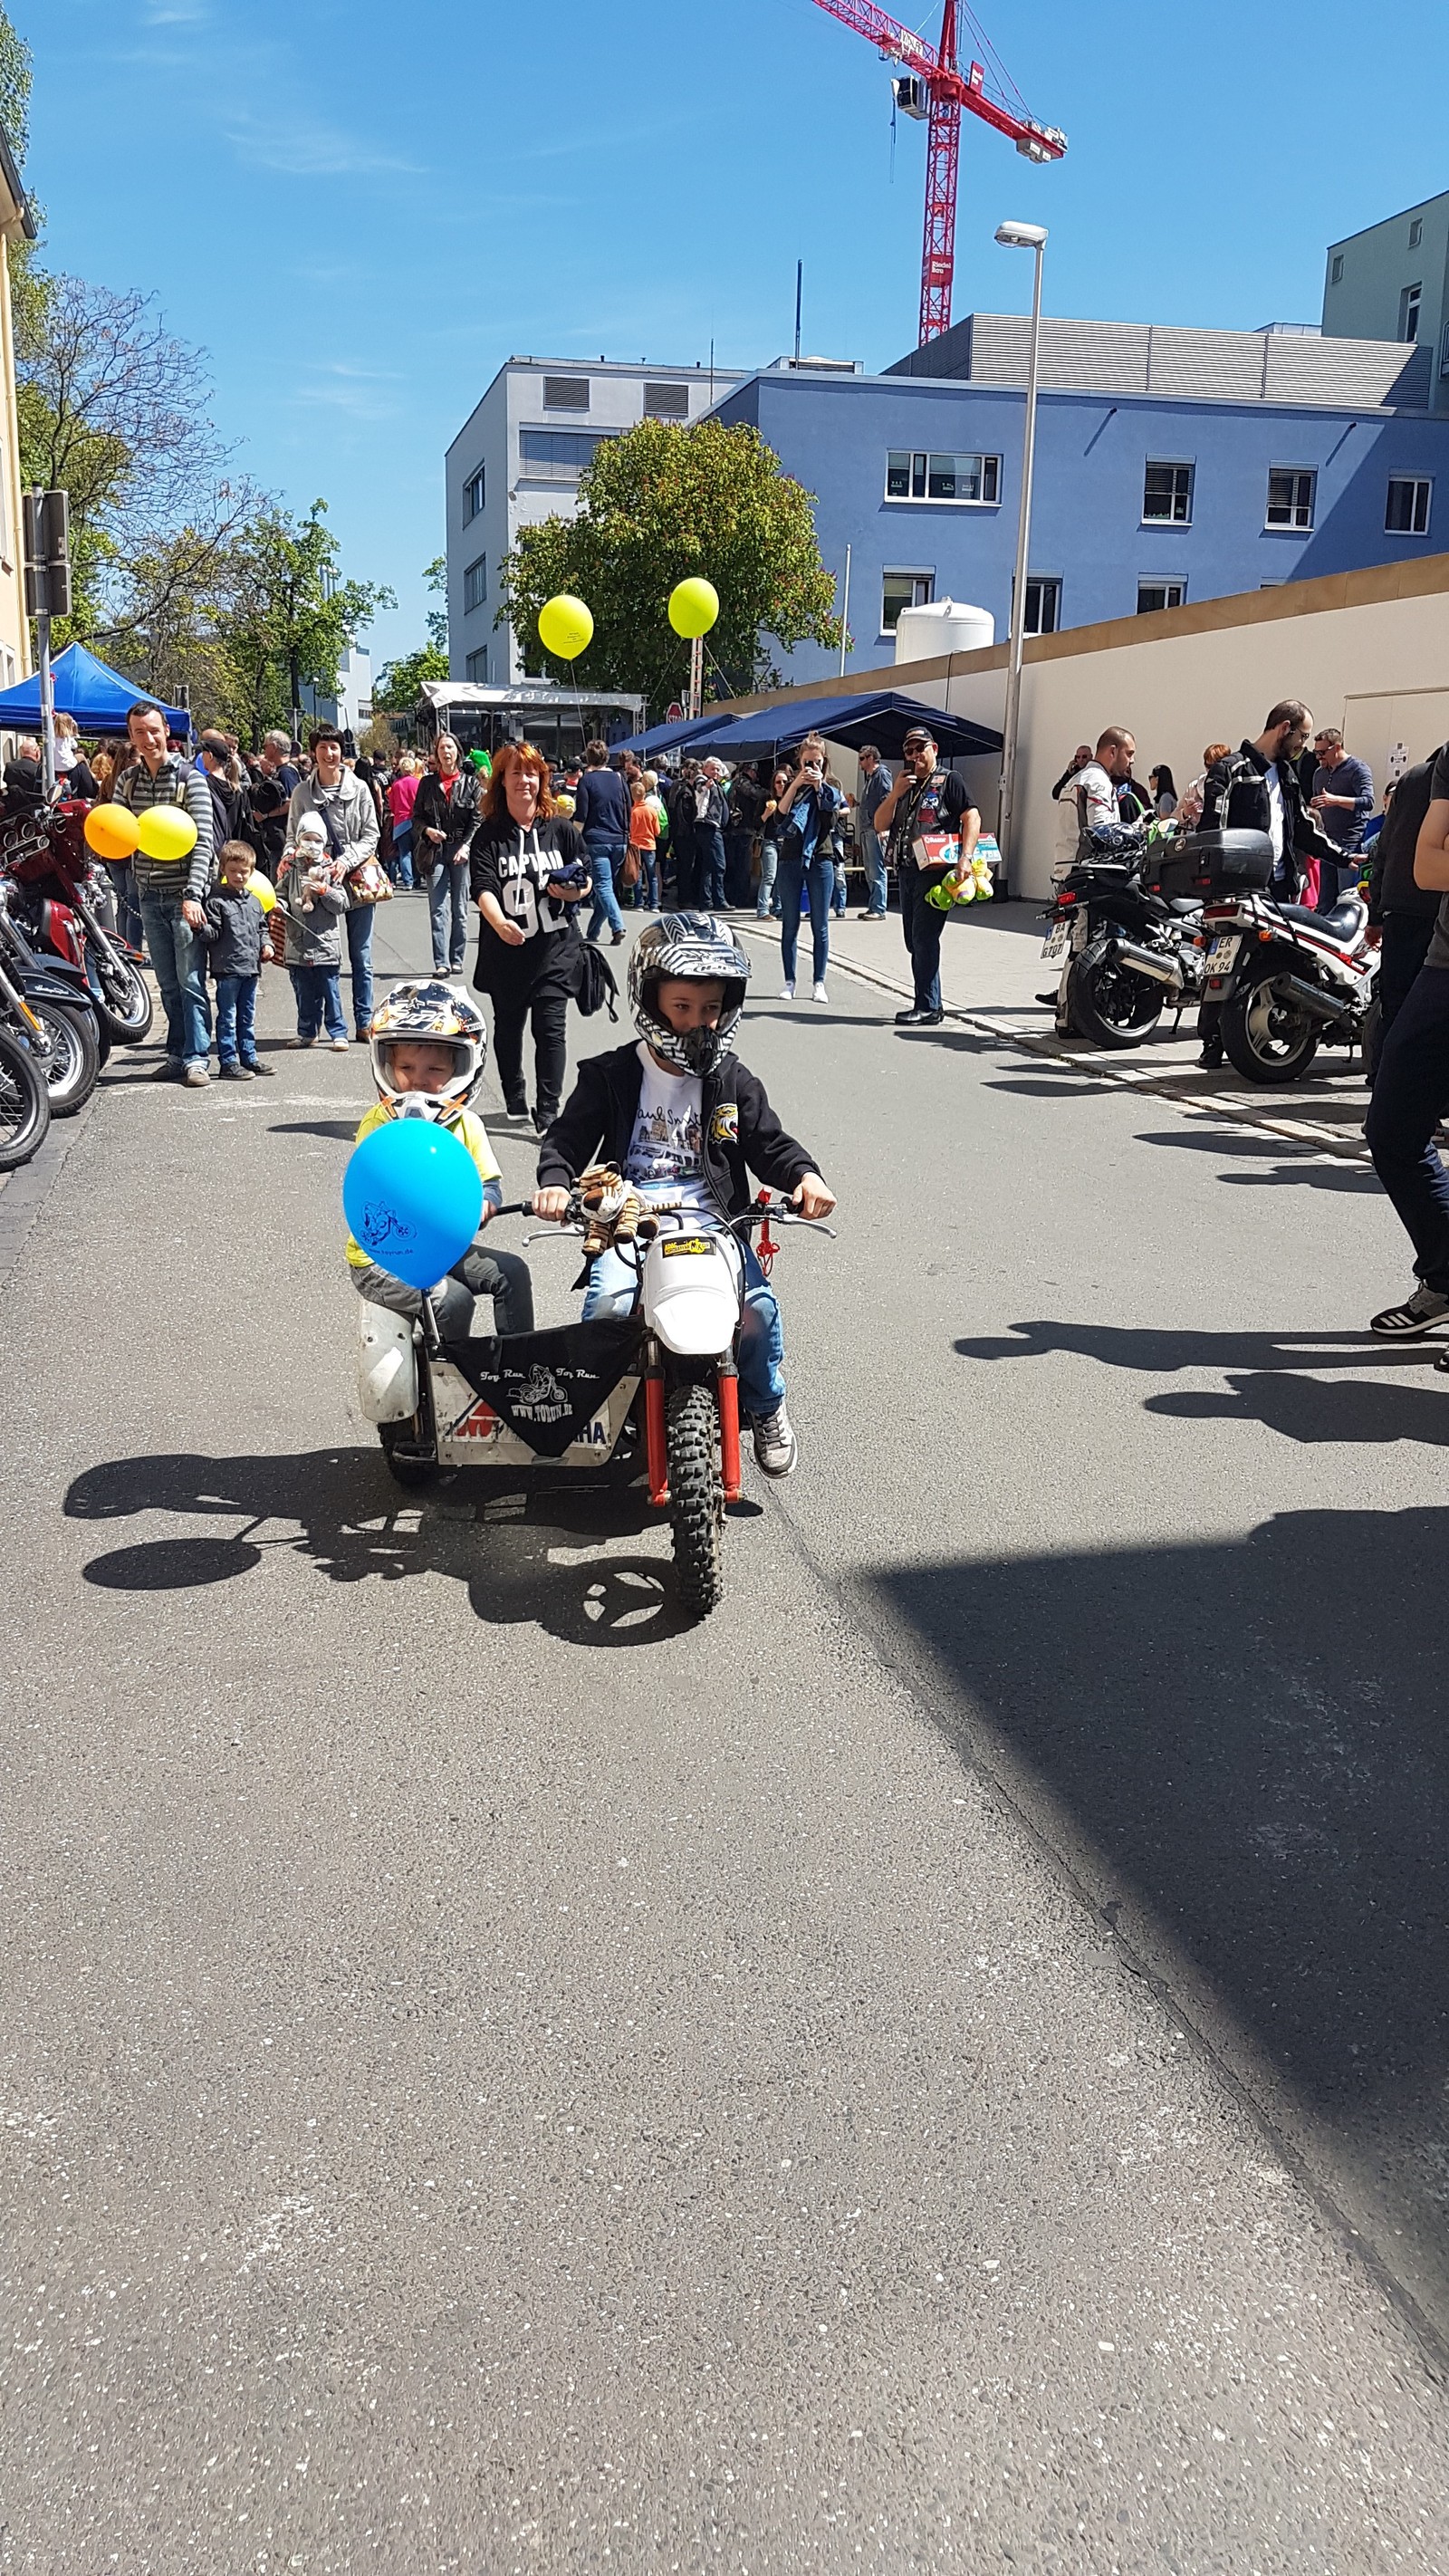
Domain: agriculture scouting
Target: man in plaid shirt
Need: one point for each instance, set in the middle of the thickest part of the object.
(171, 893)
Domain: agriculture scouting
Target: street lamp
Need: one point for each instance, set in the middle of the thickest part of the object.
(1030, 237)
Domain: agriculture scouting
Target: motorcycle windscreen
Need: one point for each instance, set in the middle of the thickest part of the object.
(548, 1386)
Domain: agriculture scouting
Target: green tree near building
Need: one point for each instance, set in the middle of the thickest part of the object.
(398, 683)
(288, 616)
(656, 505)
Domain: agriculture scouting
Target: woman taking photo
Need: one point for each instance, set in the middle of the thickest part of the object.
(444, 814)
(528, 872)
(808, 808)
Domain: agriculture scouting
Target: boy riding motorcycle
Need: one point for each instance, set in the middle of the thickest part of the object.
(428, 1045)
(681, 1117)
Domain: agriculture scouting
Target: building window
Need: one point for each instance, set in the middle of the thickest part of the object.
(1335, 274)
(473, 495)
(555, 455)
(475, 584)
(900, 590)
(1290, 496)
(1152, 595)
(565, 393)
(1408, 512)
(478, 666)
(1409, 298)
(666, 402)
(1043, 605)
(1416, 232)
(948, 477)
(1167, 495)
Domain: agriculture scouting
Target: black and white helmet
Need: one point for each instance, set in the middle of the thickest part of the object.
(434, 1014)
(696, 946)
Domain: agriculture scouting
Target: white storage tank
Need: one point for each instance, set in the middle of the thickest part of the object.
(943, 626)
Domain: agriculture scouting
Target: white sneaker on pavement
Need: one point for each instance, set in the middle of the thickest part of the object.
(820, 994)
(339, 1046)
(787, 991)
(775, 1446)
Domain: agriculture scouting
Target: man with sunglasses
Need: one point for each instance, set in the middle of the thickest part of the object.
(927, 812)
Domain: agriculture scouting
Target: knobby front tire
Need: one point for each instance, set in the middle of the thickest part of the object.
(696, 1497)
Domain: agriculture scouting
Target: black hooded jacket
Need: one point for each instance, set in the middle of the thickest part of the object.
(741, 1131)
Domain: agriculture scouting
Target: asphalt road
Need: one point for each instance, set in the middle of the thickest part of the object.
(941, 2067)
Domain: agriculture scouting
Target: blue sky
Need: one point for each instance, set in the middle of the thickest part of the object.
(359, 210)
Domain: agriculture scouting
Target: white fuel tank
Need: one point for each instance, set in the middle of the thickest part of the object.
(943, 626)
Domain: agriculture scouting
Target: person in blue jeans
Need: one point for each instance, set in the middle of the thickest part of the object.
(808, 807)
(445, 817)
(1411, 1096)
(875, 787)
(601, 811)
(235, 932)
(171, 892)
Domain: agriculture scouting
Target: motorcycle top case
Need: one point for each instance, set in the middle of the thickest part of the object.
(1214, 863)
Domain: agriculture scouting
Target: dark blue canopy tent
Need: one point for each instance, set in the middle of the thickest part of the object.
(885, 717)
(85, 688)
(674, 737)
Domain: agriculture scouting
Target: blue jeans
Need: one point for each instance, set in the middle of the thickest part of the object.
(875, 869)
(709, 851)
(236, 1013)
(128, 910)
(795, 875)
(761, 1354)
(606, 860)
(1336, 878)
(842, 891)
(765, 900)
(177, 956)
(447, 913)
(319, 995)
(649, 879)
(1410, 1096)
(922, 926)
(359, 950)
(402, 851)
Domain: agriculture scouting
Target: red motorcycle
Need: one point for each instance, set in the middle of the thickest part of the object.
(63, 901)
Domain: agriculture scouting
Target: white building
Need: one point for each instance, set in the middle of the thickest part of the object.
(517, 459)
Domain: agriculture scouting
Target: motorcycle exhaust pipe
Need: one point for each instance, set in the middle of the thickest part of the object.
(1319, 1005)
(1147, 961)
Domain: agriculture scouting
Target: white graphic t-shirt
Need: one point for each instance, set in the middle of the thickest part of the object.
(666, 1151)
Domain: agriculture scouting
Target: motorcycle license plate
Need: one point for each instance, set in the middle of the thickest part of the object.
(1054, 946)
(1222, 952)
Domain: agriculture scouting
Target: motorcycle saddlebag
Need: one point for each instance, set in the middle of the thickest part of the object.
(1215, 863)
(547, 1385)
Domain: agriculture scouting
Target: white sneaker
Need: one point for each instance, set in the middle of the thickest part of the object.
(820, 994)
(775, 1449)
(339, 1046)
(787, 991)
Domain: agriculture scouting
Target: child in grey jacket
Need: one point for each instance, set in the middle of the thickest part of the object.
(234, 928)
(313, 903)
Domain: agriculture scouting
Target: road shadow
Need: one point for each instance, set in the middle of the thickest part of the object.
(1272, 1378)
(1245, 1744)
(345, 1129)
(340, 1509)
(1312, 1172)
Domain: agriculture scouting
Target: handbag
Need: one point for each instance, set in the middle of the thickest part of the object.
(368, 883)
(629, 873)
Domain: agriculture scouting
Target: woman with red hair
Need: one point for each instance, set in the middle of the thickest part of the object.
(527, 873)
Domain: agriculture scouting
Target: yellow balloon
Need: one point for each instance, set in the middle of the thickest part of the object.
(565, 627)
(263, 888)
(693, 606)
(111, 831)
(165, 832)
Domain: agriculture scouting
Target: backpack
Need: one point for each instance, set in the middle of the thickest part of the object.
(597, 988)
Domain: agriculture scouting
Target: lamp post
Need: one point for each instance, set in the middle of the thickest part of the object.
(1020, 237)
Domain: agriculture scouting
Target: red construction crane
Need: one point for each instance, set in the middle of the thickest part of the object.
(931, 87)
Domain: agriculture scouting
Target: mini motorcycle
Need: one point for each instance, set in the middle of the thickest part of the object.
(1127, 951)
(658, 1385)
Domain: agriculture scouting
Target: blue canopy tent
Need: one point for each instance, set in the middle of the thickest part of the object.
(884, 718)
(674, 737)
(85, 688)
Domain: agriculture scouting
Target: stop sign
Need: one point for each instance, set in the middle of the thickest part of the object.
(674, 713)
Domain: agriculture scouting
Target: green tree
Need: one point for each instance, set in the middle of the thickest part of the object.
(398, 683)
(656, 505)
(15, 79)
(289, 616)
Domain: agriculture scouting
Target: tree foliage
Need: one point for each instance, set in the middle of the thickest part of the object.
(659, 503)
(15, 78)
(288, 616)
(398, 683)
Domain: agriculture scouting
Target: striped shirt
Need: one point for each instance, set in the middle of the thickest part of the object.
(175, 783)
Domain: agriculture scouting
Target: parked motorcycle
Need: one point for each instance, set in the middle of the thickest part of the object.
(51, 1015)
(62, 905)
(1125, 948)
(1288, 980)
(24, 1103)
(659, 1383)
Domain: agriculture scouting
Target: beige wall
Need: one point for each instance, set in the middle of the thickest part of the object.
(1368, 651)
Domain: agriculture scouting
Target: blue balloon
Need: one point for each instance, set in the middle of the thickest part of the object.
(413, 1195)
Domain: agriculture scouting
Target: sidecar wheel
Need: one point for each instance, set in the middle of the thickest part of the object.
(413, 1474)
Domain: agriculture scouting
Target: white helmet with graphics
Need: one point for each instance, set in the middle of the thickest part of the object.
(429, 1014)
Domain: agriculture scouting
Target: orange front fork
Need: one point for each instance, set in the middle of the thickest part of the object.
(729, 1435)
(656, 1445)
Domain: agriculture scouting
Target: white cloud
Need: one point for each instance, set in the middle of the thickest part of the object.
(303, 148)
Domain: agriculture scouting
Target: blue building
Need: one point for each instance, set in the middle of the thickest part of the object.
(1171, 465)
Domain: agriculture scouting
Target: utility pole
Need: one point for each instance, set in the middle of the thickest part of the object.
(47, 595)
(799, 291)
(845, 616)
(1032, 237)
